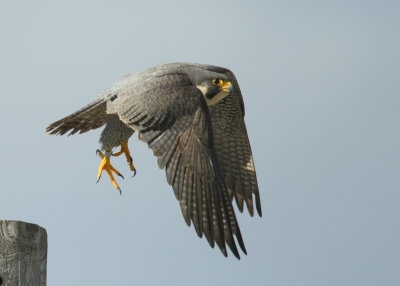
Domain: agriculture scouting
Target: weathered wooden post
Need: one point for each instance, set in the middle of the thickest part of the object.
(23, 254)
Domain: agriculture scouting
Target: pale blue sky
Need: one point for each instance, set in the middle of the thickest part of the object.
(320, 81)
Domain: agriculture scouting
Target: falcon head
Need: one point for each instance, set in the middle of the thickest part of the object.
(215, 89)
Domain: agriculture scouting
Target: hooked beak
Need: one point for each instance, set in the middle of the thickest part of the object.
(227, 87)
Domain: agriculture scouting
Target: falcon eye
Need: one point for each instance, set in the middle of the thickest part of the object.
(217, 81)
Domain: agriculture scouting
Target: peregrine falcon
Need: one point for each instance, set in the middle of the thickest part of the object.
(192, 117)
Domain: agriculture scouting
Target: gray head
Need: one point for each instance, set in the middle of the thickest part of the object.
(215, 86)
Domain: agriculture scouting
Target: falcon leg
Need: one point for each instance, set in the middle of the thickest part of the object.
(125, 150)
(106, 165)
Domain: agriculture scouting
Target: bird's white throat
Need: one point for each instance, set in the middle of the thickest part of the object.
(217, 98)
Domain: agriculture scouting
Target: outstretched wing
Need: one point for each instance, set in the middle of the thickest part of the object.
(233, 149)
(85, 119)
(173, 119)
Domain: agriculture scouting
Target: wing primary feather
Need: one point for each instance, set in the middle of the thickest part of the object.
(217, 225)
(188, 190)
(249, 204)
(197, 206)
(175, 176)
(183, 196)
(258, 204)
(166, 159)
(207, 214)
(239, 202)
(231, 225)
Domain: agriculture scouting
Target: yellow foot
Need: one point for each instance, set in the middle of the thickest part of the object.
(106, 165)
(125, 150)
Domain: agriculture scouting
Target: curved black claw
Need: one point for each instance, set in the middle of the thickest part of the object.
(98, 151)
(134, 173)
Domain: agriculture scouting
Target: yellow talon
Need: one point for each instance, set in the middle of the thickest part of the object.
(106, 165)
(125, 150)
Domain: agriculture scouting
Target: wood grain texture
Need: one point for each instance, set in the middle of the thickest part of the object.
(23, 254)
